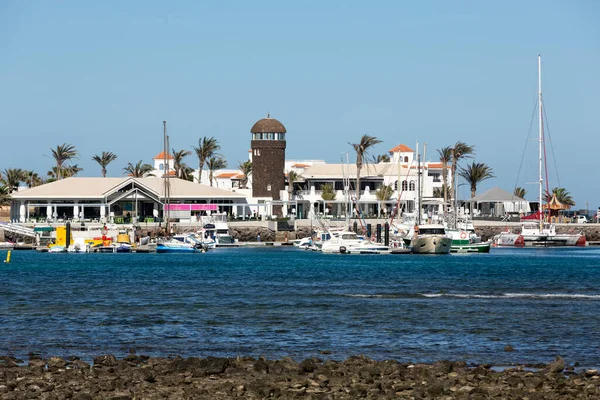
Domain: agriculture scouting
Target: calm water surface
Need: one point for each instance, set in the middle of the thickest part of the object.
(282, 301)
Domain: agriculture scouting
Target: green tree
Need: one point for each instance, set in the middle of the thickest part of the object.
(520, 192)
(178, 165)
(62, 155)
(71, 170)
(439, 192)
(32, 179)
(104, 159)
(475, 174)
(445, 154)
(214, 164)
(139, 170)
(361, 148)
(12, 177)
(4, 196)
(459, 151)
(246, 169)
(328, 193)
(292, 177)
(380, 158)
(562, 195)
(207, 148)
(384, 192)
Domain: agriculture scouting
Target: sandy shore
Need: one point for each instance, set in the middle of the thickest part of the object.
(140, 377)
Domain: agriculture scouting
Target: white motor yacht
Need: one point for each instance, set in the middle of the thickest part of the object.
(430, 239)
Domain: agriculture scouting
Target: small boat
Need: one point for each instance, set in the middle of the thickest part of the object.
(430, 239)
(467, 242)
(347, 242)
(176, 246)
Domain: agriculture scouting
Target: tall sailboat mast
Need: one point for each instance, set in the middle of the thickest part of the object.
(540, 139)
(167, 174)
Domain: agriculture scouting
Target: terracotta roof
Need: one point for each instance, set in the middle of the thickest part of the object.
(161, 156)
(268, 125)
(401, 148)
(435, 165)
(301, 165)
(226, 175)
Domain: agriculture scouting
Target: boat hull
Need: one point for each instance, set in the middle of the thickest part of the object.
(483, 247)
(431, 244)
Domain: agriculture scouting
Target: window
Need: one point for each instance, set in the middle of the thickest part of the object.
(404, 185)
(412, 185)
(269, 188)
(406, 159)
(160, 167)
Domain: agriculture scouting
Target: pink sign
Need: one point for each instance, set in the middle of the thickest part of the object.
(192, 207)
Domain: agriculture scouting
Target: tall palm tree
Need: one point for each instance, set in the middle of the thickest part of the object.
(214, 164)
(178, 165)
(445, 154)
(106, 158)
(292, 177)
(246, 169)
(62, 155)
(138, 170)
(459, 151)
(562, 195)
(12, 177)
(476, 173)
(207, 148)
(361, 148)
(520, 192)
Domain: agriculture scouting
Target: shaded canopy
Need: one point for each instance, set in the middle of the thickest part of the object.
(498, 201)
(494, 195)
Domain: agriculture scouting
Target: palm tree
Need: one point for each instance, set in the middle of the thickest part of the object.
(384, 192)
(178, 165)
(32, 179)
(4, 196)
(366, 142)
(62, 154)
(380, 158)
(445, 154)
(207, 148)
(292, 177)
(475, 174)
(12, 177)
(138, 170)
(327, 192)
(459, 151)
(439, 192)
(520, 192)
(106, 158)
(562, 195)
(71, 170)
(246, 169)
(214, 164)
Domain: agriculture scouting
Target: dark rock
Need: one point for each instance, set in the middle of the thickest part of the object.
(106, 360)
(261, 366)
(215, 366)
(55, 363)
(556, 366)
(308, 365)
(509, 348)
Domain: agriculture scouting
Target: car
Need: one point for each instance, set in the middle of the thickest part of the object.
(581, 219)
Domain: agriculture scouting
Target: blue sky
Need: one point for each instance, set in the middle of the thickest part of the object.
(103, 76)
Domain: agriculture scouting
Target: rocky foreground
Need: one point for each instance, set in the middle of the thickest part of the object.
(140, 377)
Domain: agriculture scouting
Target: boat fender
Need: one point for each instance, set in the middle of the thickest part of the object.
(342, 249)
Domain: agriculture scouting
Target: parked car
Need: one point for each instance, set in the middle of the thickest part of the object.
(581, 219)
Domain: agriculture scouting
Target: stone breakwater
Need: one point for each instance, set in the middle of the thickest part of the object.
(591, 231)
(141, 377)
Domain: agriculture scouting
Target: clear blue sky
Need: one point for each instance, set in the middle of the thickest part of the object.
(103, 76)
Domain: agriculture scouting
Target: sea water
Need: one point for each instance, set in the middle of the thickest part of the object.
(281, 301)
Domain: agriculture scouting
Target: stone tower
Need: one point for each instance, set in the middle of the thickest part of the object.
(268, 159)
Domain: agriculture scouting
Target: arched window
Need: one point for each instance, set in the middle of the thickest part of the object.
(160, 167)
(404, 185)
(396, 185)
(405, 158)
(412, 185)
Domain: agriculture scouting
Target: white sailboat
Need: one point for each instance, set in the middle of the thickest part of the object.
(539, 233)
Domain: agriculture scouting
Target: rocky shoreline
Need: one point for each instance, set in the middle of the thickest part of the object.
(142, 377)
